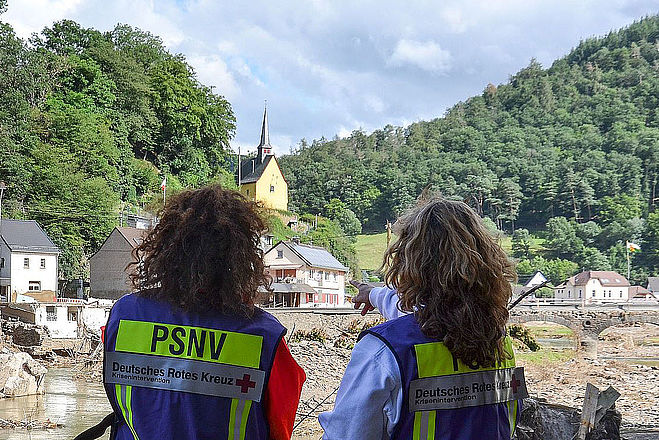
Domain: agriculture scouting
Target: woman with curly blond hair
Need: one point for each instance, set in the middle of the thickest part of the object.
(441, 367)
(187, 355)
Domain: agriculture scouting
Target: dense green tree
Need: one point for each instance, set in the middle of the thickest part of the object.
(521, 244)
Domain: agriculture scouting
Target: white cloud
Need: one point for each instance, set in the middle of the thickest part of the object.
(426, 55)
(213, 71)
(333, 67)
(31, 16)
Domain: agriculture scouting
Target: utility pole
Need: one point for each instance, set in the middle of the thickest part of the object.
(629, 261)
(239, 168)
(3, 186)
(388, 226)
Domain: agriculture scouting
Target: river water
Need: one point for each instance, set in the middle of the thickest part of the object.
(76, 404)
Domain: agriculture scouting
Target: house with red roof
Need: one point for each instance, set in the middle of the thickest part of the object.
(594, 286)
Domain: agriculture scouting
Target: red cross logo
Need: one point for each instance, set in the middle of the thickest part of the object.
(515, 383)
(245, 383)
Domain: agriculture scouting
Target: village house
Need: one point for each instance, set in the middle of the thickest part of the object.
(261, 178)
(108, 274)
(641, 294)
(594, 286)
(525, 282)
(653, 285)
(65, 318)
(319, 277)
(28, 262)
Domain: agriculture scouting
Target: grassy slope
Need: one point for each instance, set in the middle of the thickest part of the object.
(370, 249)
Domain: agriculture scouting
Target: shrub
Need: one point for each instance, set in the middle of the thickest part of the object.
(315, 334)
(523, 335)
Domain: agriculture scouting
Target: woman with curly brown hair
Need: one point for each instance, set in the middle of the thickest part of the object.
(188, 355)
(441, 367)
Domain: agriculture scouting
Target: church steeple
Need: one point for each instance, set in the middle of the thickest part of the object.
(264, 148)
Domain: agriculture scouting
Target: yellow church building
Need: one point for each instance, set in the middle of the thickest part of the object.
(261, 178)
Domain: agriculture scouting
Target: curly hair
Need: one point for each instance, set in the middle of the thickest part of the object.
(204, 254)
(451, 272)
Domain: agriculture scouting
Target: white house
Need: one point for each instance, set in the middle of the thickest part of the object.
(28, 261)
(594, 286)
(65, 318)
(527, 282)
(289, 262)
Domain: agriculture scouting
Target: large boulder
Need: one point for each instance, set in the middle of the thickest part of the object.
(20, 375)
(544, 421)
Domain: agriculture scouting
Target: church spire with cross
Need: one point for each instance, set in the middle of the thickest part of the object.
(264, 148)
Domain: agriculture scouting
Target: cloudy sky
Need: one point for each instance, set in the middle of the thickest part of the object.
(327, 67)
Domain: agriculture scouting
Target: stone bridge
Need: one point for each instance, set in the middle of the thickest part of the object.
(587, 323)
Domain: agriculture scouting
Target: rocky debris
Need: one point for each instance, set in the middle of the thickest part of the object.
(20, 375)
(544, 421)
(33, 339)
(29, 424)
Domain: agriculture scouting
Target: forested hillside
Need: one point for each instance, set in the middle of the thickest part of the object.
(90, 122)
(570, 153)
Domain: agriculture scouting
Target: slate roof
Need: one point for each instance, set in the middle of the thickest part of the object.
(653, 284)
(605, 277)
(133, 236)
(314, 256)
(249, 176)
(26, 235)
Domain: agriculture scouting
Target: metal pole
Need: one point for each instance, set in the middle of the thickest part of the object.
(2, 192)
(629, 263)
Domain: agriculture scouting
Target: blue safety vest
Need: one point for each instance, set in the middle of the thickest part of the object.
(443, 397)
(170, 374)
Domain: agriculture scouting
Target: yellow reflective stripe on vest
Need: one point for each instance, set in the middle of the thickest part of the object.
(434, 359)
(238, 418)
(424, 425)
(512, 416)
(124, 400)
(187, 342)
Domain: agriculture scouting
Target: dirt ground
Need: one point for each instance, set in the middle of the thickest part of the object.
(557, 375)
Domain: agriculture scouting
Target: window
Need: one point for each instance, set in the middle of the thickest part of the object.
(72, 314)
(280, 254)
(334, 276)
(594, 293)
(43, 263)
(621, 294)
(609, 294)
(272, 188)
(34, 286)
(247, 192)
(2, 263)
(579, 293)
(569, 293)
(26, 263)
(51, 313)
(327, 275)
(311, 273)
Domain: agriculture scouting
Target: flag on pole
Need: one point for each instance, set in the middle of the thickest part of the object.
(633, 247)
(163, 185)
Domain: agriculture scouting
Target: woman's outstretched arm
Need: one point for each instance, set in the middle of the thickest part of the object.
(368, 402)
